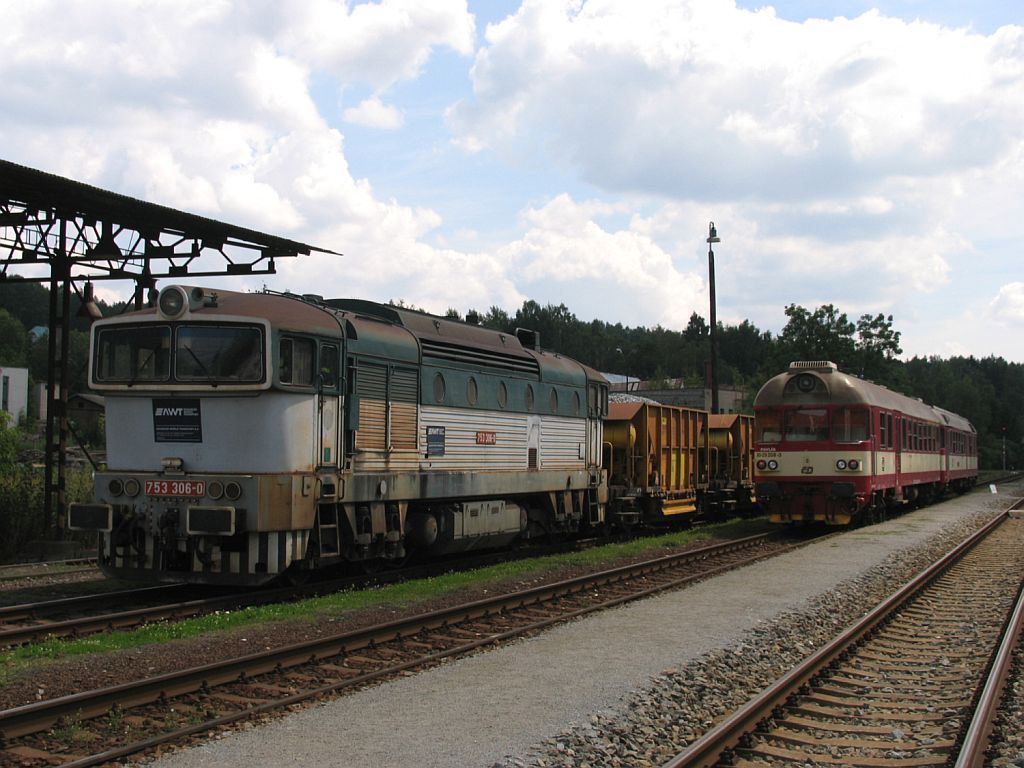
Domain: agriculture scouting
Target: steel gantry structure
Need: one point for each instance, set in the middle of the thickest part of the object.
(78, 233)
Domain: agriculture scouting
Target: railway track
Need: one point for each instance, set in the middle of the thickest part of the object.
(83, 615)
(137, 716)
(916, 682)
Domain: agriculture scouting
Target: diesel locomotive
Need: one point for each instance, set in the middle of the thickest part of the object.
(833, 448)
(254, 436)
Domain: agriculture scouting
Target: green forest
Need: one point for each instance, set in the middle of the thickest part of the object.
(989, 391)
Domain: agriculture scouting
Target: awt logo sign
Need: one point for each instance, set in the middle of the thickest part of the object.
(177, 411)
(177, 421)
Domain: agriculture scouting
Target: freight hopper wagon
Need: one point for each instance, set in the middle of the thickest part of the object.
(730, 465)
(656, 462)
(257, 436)
(838, 449)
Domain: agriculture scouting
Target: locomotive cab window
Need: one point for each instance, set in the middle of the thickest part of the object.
(329, 366)
(133, 354)
(295, 361)
(850, 425)
(218, 354)
(803, 424)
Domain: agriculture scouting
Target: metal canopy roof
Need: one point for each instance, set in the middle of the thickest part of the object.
(107, 235)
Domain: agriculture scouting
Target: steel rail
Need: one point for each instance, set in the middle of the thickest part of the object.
(37, 716)
(707, 750)
(124, 619)
(976, 738)
(28, 610)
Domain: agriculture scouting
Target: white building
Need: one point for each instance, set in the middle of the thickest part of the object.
(14, 392)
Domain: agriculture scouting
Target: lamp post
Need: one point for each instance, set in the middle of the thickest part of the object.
(713, 238)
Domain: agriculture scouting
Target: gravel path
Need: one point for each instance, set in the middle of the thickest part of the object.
(625, 687)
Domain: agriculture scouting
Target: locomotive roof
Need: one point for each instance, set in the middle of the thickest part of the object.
(843, 389)
(387, 331)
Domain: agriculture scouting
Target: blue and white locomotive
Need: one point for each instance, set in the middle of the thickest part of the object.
(254, 436)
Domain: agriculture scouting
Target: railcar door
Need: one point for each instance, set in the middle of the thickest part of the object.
(898, 442)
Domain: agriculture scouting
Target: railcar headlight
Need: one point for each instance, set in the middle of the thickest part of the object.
(116, 487)
(841, 464)
(761, 464)
(233, 491)
(853, 464)
(215, 489)
(131, 487)
(773, 464)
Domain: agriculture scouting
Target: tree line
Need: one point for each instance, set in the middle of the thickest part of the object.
(989, 391)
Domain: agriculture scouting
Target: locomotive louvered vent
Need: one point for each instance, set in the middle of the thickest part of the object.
(439, 351)
(823, 366)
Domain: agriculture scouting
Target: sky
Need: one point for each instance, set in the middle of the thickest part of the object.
(476, 154)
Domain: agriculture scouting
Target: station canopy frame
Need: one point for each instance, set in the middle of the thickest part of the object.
(79, 233)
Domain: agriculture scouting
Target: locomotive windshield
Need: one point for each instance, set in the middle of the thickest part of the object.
(139, 354)
(218, 354)
(148, 354)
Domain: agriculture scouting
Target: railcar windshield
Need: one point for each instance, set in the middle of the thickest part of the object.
(159, 354)
(133, 355)
(850, 425)
(218, 354)
(804, 424)
(768, 426)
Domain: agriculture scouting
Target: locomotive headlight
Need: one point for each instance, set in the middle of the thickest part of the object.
(853, 464)
(116, 487)
(841, 464)
(233, 491)
(761, 464)
(773, 464)
(131, 487)
(215, 489)
(172, 301)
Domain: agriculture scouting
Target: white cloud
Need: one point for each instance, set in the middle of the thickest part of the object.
(1007, 307)
(691, 97)
(373, 113)
(625, 276)
(376, 43)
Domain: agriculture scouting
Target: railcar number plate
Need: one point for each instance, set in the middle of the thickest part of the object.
(175, 487)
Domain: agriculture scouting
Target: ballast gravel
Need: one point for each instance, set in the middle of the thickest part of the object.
(626, 687)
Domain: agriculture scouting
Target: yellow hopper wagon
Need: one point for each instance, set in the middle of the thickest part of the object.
(656, 460)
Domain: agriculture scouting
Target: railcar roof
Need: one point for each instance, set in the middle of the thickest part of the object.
(845, 389)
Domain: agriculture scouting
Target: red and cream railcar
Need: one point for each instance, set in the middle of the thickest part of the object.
(835, 448)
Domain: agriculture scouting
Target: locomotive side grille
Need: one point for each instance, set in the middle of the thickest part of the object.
(442, 352)
(387, 408)
(404, 394)
(371, 386)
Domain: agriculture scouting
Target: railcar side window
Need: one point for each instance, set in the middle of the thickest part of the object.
(769, 426)
(807, 424)
(134, 355)
(849, 425)
(295, 365)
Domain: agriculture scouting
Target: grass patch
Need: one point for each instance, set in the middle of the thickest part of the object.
(396, 595)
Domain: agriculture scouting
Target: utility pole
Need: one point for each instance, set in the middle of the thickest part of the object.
(713, 238)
